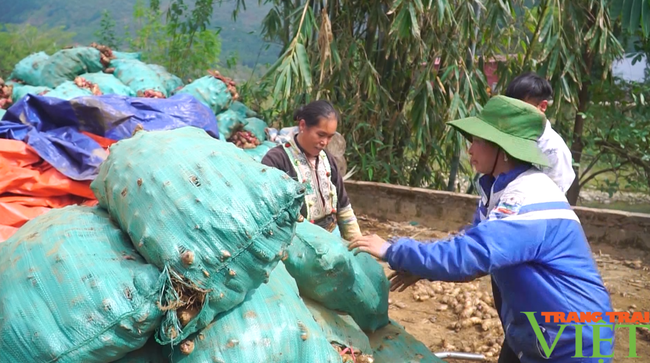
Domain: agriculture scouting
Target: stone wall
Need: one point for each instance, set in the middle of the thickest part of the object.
(448, 212)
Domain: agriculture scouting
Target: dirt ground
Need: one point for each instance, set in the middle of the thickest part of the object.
(428, 312)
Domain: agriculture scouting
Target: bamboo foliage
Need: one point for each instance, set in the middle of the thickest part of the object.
(573, 44)
(399, 70)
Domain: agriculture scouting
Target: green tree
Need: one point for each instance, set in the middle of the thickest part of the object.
(634, 15)
(400, 69)
(106, 33)
(19, 41)
(573, 44)
(618, 134)
(178, 39)
(397, 70)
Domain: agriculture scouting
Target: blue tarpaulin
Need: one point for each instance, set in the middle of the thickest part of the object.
(53, 126)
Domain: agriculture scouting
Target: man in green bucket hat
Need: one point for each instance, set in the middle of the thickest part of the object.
(530, 241)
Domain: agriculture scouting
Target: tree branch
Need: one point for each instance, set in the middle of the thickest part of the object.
(591, 165)
(590, 177)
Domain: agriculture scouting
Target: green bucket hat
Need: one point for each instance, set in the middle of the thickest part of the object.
(512, 124)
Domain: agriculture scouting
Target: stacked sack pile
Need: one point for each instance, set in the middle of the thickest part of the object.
(144, 229)
(195, 253)
(98, 70)
(57, 110)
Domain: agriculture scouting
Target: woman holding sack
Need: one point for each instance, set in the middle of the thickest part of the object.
(531, 243)
(304, 158)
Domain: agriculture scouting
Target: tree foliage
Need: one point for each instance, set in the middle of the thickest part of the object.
(618, 137)
(634, 15)
(19, 41)
(178, 38)
(400, 69)
(397, 70)
(573, 44)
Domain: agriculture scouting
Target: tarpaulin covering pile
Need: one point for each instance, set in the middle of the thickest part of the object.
(258, 153)
(29, 187)
(52, 126)
(50, 149)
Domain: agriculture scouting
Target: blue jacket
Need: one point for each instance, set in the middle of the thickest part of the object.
(527, 236)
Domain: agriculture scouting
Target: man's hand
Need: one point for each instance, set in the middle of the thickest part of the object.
(402, 280)
(371, 244)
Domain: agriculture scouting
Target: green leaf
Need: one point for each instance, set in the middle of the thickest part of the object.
(616, 8)
(415, 28)
(442, 7)
(399, 23)
(278, 85)
(636, 15)
(645, 18)
(628, 13)
(394, 7)
(303, 62)
(418, 5)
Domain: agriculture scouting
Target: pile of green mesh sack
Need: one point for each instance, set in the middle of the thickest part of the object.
(195, 252)
(98, 70)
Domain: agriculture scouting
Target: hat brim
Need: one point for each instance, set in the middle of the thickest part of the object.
(518, 148)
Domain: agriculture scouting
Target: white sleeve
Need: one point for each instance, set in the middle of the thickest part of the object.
(560, 168)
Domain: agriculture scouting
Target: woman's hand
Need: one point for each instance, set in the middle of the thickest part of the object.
(371, 244)
(402, 280)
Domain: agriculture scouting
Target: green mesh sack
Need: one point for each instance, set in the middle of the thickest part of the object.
(229, 122)
(66, 64)
(127, 55)
(138, 76)
(109, 84)
(260, 151)
(152, 352)
(73, 289)
(272, 325)
(328, 273)
(170, 81)
(29, 69)
(392, 344)
(257, 127)
(212, 219)
(68, 90)
(21, 91)
(340, 329)
(211, 92)
(242, 110)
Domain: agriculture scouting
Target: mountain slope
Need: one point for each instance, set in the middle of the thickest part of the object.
(83, 18)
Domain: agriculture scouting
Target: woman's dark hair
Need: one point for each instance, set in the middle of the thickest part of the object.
(314, 111)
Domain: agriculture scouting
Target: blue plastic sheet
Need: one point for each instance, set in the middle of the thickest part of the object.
(53, 126)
